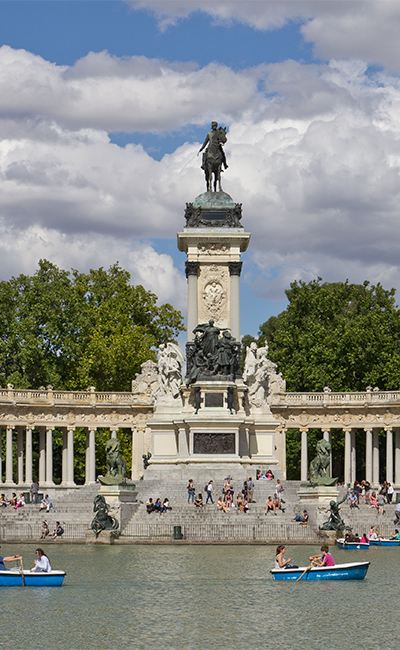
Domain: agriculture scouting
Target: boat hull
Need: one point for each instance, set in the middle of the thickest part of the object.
(384, 542)
(351, 571)
(351, 546)
(14, 579)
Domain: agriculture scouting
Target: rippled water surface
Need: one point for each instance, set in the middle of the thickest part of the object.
(199, 597)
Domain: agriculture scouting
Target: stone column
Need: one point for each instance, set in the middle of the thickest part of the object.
(64, 478)
(353, 456)
(235, 269)
(42, 457)
(49, 457)
(389, 455)
(9, 455)
(304, 455)
(375, 457)
(397, 458)
(91, 456)
(183, 442)
(368, 455)
(237, 442)
(326, 433)
(28, 456)
(347, 456)
(20, 456)
(70, 457)
(1, 456)
(192, 270)
(113, 434)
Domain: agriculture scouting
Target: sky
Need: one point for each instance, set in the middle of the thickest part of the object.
(105, 104)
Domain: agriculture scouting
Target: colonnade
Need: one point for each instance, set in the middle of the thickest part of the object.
(45, 476)
(372, 469)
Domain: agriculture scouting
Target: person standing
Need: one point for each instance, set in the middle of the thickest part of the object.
(390, 493)
(397, 514)
(190, 489)
(250, 489)
(34, 489)
(210, 490)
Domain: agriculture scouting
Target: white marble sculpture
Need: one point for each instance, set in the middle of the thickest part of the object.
(260, 376)
(170, 368)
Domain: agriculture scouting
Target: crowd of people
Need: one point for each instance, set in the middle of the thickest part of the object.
(373, 534)
(17, 501)
(361, 492)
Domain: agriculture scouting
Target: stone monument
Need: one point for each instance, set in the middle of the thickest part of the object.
(114, 486)
(213, 417)
(321, 487)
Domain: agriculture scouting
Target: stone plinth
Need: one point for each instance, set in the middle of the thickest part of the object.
(317, 494)
(121, 493)
(104, 537)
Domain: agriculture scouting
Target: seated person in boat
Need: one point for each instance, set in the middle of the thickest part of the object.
(45, 529)
(9, 558)
(221, 505)
(45, 503)
(58, 531)
(198, 502)
(364, 539)
(280, 562)
(42, 562)
(351, 537)
(373, 533)
(396, 534)
(325, 559)
(150, 506)
(303, 519)
(270, 506)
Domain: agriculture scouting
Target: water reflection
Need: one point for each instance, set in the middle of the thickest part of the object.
(198, 597)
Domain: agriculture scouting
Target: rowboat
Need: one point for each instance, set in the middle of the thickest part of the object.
(384, 542)
(351, 546)
(13, 578)
(351, 571)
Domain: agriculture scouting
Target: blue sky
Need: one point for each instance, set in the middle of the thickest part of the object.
(103, 106)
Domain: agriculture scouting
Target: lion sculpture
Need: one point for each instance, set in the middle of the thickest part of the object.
(319, 466)
(116, 466)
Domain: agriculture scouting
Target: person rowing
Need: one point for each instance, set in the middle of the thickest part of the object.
(325, 559)
(9, 558)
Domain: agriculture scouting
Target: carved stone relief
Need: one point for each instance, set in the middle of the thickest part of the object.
(213, 294)
(212, 248)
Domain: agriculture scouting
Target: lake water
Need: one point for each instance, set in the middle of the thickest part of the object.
(199, 598)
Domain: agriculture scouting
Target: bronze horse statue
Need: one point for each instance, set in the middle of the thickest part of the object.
(214, 158)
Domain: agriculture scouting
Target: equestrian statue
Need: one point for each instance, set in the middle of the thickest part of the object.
(214, 156)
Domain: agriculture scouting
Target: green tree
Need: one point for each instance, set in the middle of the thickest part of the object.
(72, 330)
(343, 335)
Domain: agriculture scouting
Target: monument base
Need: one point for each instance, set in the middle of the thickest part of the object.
(317, 494)
(121, 493)
(104, 537)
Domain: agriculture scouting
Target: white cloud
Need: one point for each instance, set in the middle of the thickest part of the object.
(361, 29)
(315, 162)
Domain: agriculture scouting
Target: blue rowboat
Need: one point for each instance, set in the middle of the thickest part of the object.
(351, 571)
(384, 542)
(13, 578)
(351, 546)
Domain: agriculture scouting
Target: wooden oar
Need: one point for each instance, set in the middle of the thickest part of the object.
(21, 570)
(305, 571)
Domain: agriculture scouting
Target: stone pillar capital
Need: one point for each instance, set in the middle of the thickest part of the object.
(235, 268)
(192, 268)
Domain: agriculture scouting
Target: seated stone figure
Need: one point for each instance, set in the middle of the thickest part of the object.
(116, 466)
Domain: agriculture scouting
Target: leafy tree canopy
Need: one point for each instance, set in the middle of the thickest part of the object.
(72, 329)
(343, 335)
